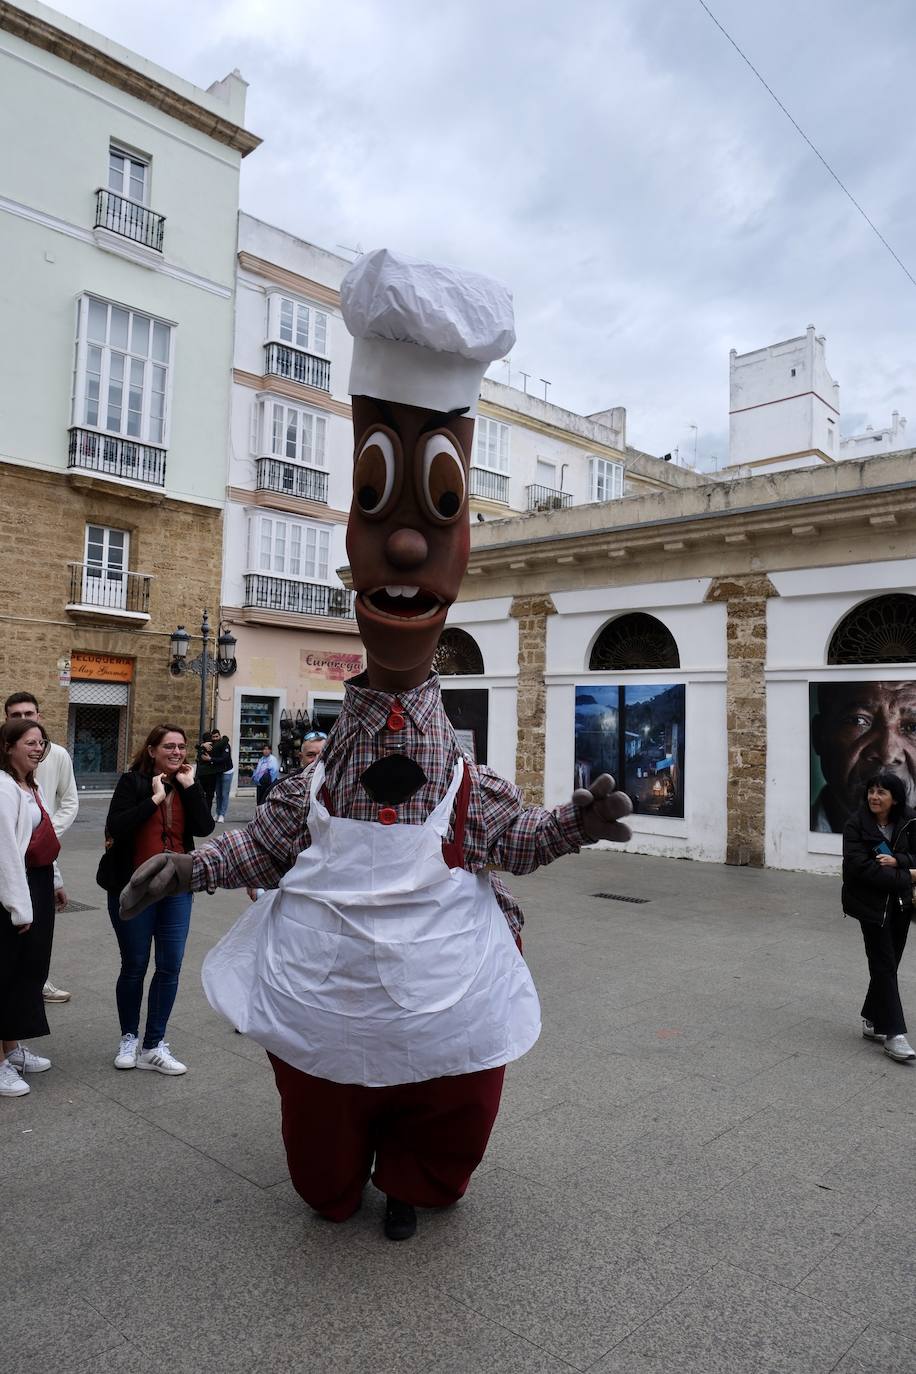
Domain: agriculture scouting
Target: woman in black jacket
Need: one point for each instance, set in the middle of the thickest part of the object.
(879, 870)
(157, 807)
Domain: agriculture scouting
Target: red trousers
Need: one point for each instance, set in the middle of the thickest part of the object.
(426, 1138)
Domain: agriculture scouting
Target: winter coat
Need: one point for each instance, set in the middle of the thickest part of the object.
(130, 808)
(870, 889)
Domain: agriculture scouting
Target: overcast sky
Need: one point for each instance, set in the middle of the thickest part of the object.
(613, 161)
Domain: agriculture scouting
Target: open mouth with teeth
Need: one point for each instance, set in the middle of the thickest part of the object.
(403, 603)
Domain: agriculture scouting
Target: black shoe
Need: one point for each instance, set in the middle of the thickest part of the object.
(400, 1219)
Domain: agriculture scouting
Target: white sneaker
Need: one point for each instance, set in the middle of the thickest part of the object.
(220, 818)
(11, 1085)
(897, 1046)
(868, 1030)
(161, 1059)
(52, 994)
(25, 1061)
(129, 1048)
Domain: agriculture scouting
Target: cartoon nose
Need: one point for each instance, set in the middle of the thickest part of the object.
(406, 548)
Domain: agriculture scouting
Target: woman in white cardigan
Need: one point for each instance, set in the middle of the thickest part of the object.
(28, 849)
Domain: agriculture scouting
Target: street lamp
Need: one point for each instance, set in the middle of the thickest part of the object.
(204, 665)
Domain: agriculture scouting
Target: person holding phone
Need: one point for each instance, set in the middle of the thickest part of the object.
(879, 871)
(157, 808)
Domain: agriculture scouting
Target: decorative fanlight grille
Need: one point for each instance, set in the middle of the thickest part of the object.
(882, 630)
(457, 653)
(634, 641)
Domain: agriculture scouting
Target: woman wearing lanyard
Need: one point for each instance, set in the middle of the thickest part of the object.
(28, 848)
(157, 808)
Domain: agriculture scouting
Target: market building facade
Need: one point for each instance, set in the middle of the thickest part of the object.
(735, 653)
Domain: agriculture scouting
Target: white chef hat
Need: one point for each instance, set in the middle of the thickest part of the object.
(423, 335)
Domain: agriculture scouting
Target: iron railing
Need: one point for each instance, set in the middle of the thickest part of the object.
(547, 498)
(108, 588)
(295, 366)
(127, 218)
(115, 457)
(492, 486)
(304, 598)
(292, 480)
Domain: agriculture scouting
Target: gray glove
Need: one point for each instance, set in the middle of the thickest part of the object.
(600, 809)
(163, 875)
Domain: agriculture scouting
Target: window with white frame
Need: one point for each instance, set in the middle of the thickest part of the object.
(294, 433)
(293, 322)
(122, 371)
(289, 548)
(492, 447)
(128, 174)
(105, 566)
(605, 479)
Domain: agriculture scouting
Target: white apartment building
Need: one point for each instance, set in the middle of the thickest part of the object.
(870, 441)
(117, 233)
(289, 488)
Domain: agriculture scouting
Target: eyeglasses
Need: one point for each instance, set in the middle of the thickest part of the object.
(313, 734)
(174, 748)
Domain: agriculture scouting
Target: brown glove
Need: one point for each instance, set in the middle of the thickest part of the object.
(163, 875)
(601, 808)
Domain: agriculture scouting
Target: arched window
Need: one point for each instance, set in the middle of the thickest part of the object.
(456, 654)
(880, 630)
(631, 641)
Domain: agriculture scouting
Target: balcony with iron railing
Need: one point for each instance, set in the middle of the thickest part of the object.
(111, 456)
(292, 479)
(489, 486)
(129, 219)
(295, 365)
(301, 598)
(108, 592)
(547, 498)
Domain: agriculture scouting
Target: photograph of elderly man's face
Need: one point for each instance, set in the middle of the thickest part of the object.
(857, 728)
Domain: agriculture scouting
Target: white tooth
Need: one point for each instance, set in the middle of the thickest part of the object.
(409, 591)
(394, 591)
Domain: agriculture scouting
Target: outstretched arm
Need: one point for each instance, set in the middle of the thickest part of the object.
(528, 837)
(257, 856)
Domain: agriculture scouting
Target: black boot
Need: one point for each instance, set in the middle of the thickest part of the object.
(400, 1219)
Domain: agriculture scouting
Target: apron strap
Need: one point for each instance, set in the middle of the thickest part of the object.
(453, 850)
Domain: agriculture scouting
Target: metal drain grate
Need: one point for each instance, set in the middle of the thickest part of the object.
(78, 906)
(619, 897)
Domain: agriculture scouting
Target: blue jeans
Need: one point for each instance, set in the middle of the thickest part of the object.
(165, 924)
(223, 783)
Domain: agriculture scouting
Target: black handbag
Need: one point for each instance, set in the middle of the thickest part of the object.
(105, 873)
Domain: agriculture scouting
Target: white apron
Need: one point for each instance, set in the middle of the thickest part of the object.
(373, 962)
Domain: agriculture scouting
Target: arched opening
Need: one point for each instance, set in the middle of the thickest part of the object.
(457, 654)
(880, 630)
(634, 640)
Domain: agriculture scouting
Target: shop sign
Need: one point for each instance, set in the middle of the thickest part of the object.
(323, 663)
(101, 668)
(63, 672)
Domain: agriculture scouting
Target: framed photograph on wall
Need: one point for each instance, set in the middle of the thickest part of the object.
(636, 733)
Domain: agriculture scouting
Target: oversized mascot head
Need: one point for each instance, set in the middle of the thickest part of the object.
(423, 338)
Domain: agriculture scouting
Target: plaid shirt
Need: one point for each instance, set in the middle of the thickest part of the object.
(499, 832)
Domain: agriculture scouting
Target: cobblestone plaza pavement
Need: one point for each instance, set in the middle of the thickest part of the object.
(700, 1167)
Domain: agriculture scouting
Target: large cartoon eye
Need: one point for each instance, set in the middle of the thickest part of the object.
(374, 473)
(442, 483)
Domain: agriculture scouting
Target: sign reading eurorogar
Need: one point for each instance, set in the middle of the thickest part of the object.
(323, 663)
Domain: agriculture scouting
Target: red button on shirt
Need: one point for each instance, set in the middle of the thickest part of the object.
(388, 815)
(395, 721)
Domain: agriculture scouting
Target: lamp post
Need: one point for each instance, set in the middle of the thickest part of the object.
(204, 665)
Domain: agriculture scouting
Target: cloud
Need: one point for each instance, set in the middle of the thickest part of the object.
(616, 163)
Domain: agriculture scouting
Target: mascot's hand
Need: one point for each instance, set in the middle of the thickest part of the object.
(600, 809)
(163, 875)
